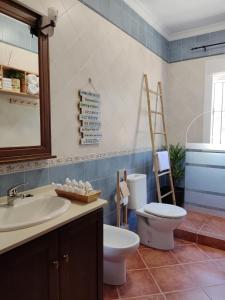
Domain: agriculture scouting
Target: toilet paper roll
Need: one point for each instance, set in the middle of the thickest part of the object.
(32, 79)
(32, 89)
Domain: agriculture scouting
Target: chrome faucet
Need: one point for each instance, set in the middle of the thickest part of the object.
(12, 194)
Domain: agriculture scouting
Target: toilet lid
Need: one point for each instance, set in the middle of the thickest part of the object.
(165, 210)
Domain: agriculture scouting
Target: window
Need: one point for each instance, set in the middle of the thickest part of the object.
(218, 109)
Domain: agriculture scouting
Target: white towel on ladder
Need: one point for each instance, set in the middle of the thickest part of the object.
(163, 160)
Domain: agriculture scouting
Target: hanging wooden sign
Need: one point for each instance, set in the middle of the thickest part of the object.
(91, 123)
(90, 118)
(92, 135)
(89, 105)
(85, 111)
(89, 129)
(84, 117)
(93, 96)
(89, 141)
(90, 99)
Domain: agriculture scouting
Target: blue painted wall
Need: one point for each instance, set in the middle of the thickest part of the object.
(101, 173)
(181, 49)
(124, 17)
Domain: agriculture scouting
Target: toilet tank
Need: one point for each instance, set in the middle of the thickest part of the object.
(137, 184)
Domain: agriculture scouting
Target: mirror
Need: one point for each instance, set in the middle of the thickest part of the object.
(19, 85)
(24, 86)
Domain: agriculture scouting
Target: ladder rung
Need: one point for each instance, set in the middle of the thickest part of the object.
(156, 112)
(159, 133)
(167, 194)
(154, 93)
(164, 173)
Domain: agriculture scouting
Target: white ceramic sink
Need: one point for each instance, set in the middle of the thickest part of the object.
(31, 211)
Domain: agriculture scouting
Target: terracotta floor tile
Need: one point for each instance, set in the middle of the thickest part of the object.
(216, 292)
(209, 239)
(212, 252)
(141, 246)
(189, 253)
(180, 242)
(110, 292)
(139, 283)
(186, 234)
(210, 233)
(173, 278)
(197, 294)
(134, 261)
(220, 264)
(207, 273)
(215, 226)
(194, 220)
(157, 258)
(152, 297)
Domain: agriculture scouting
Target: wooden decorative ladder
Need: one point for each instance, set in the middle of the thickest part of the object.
(154, 133)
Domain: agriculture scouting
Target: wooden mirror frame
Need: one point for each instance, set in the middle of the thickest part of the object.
(26, 153)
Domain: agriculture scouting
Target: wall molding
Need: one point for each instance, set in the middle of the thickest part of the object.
(43, 164)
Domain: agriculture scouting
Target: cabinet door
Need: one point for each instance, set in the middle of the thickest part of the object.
(81, 258)
(30, 271)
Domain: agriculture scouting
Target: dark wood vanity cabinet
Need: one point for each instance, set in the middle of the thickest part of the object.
(81, 254)
(28, 272)
(66, 264)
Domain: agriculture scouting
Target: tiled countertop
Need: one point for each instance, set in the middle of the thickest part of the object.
(13, 239)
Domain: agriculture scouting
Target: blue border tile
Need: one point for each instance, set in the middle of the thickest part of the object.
(36, 178)
(124, 17)
(101, 173)
(10, 180)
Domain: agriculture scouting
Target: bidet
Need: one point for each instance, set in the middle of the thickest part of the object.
(118, 244)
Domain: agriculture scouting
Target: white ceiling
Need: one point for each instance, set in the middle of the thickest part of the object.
(177, 19)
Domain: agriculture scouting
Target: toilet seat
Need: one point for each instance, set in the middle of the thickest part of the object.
(164, 210)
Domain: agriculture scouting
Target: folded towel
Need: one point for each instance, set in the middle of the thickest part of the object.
(163, 161)
(123, 201)
(32, 79)
(32, 89)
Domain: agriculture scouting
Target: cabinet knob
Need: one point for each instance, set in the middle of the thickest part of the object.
(66, 258)
(55, 263)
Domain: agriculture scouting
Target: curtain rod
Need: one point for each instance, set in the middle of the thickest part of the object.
(206, 46)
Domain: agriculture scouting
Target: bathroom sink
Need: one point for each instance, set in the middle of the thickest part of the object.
(28, 212)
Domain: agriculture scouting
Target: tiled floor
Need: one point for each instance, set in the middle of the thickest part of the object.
(189, 272)
(204, 229)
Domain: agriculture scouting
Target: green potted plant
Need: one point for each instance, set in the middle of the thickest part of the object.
(177, 158)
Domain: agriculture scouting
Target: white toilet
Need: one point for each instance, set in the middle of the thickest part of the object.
(118, 244)
(155, 221)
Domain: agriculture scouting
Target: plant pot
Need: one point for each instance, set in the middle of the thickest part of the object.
(179, 194)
